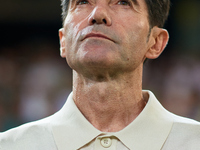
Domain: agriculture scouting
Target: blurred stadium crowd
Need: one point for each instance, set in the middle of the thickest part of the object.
(35, 81)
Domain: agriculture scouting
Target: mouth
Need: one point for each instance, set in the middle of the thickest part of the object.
(97, 35)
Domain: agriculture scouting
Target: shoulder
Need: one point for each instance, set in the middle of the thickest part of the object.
(185, 134)
(185, 126)
(182, 122)
(28, 135)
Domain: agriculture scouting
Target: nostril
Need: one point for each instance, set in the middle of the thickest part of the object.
(93, 21)
(98, 21)
(104, 20)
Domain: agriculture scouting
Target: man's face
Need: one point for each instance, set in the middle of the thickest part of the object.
(102, 35)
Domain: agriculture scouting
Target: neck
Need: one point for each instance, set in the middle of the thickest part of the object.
(110, 104)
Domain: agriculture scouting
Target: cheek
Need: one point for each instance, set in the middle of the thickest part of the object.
(136, 28)
(71, 30)
(139, 36)
(135, 41)
(73, 25)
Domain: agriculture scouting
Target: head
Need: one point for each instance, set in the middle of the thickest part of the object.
(112, 36)
(158, 11)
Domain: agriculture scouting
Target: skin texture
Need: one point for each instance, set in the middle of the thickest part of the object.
(105, 42)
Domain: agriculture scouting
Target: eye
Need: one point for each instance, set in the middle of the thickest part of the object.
(82, 2)
(125, 2)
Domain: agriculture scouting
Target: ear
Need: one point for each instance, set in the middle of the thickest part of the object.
(158, 40)
(62, 43)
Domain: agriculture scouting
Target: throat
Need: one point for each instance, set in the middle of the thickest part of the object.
(109, 105)
(110, 112)
(113, 118)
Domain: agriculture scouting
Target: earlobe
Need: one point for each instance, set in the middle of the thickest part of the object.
(160, 39)
(62, 42)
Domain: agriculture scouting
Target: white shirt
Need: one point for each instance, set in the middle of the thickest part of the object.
(154, 129)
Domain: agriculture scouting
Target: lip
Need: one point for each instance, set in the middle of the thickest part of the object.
(96, 35)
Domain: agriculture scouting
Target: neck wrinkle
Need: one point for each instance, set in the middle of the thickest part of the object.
(105, 104)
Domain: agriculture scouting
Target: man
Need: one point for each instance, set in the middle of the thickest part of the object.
(105, 42)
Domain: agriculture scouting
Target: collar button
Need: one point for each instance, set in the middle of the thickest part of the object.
(106, 142)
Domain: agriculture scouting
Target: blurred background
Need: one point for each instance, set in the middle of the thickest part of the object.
(35, 81)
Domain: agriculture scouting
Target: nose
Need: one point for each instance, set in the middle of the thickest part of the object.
(100, 15)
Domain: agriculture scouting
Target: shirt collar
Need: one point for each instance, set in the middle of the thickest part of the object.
(72, 130)
(149, 130)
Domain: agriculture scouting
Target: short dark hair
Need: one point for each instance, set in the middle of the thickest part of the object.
(158, 11)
